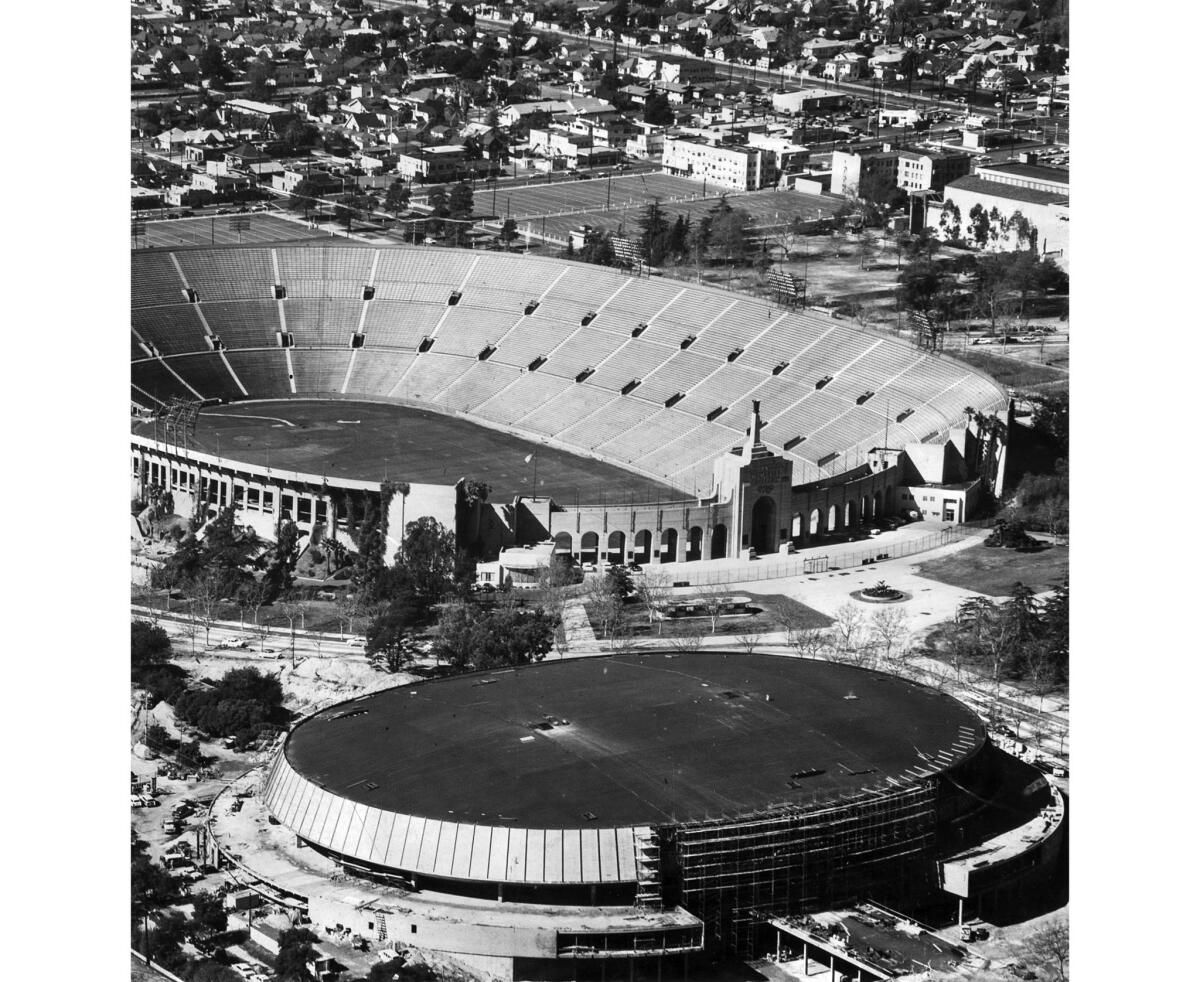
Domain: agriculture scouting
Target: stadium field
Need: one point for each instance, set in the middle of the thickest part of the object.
(219, 230)
(372, 442)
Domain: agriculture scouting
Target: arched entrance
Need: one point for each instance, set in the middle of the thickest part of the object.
(719, 536)
(562, 546)
(763, 535)
(616, 547)
(670, 546)
(641, 547)
(589, 547)
(695, 544)
(851, 517)
(814, 522)
(889, 500)
(864, 511)
(877, 505)
(832, 524)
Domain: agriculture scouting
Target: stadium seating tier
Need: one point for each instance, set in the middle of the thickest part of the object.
(324, 307)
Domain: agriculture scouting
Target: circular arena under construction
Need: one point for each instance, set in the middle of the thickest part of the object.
(542, 822)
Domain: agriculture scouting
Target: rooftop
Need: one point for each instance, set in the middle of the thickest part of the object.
(980, 185)
(633, 739)
(1036, 172)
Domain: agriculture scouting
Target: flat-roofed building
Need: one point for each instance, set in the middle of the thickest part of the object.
(740, 168)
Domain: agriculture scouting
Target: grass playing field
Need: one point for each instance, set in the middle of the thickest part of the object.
(220, 230)
(371, 442)
(767, 209)
(994, 571)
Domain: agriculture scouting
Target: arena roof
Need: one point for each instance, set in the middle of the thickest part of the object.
(621, 741)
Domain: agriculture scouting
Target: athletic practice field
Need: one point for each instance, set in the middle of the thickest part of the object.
(220, 230)
(768, 209)
(372, 441)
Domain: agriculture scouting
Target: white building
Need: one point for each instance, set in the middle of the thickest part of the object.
(739, 168)
(519, 567)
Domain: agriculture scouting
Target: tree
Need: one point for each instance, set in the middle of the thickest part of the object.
(605, 608)
(389, 634)
(348, 607)
(921, 285)
(304, 196)
(209, 916)
(1051, 947)
(711, 599)
(149, 644)
(656, 228)
(238, 705)
(508, 232)
(462, 200)
(848, 635)
(252, 595)
(506, 636)
(730, 231)
(298, 134)
(280, 570)
(658, 111)
(398, 196)
(259, 76)
(439, 209)
(554, 587)
(889, 636)
(653, 588)
(427, 559)
(295, 952)
(293, 609)
(212, 63)
(318, 103)
(206, 591)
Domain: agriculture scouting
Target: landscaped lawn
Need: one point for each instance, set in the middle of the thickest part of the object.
(766, 619)
(994, 571)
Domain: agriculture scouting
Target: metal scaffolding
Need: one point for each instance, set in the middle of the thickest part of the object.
(733, 874)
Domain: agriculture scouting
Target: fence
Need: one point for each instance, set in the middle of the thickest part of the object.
(809, 563)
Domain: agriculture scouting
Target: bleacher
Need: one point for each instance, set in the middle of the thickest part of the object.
(478, 384)
(430, 375)
(325, 272)
(322, 323)
(390, 324)
(243, 324)
(375, 372)
(680, 373)
(208, 375)
(172, 330)
(536, 389)
(263, 373)
(154, 280)
(156, 380)
(319, 372)
(242, 274)
(324, 306)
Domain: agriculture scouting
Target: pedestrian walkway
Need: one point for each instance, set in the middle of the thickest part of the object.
(581, 639)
